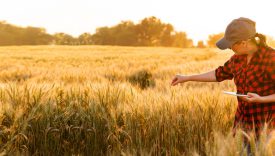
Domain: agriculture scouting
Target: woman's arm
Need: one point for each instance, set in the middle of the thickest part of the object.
(252, 97)
(204, 77)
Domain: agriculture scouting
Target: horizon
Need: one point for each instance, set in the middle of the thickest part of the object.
(77, 17)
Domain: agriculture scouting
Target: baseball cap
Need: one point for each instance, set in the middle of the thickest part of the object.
(238, 30)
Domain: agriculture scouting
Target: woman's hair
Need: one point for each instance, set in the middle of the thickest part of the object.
(259, 40)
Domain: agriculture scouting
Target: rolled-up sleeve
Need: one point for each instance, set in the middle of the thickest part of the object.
(225, 72)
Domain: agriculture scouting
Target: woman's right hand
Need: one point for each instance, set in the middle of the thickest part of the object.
(179, 79)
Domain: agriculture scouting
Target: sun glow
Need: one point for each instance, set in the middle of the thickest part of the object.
(198, 18)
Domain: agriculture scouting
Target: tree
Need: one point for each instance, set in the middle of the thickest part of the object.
(200, 44)
(103, 36)
(180, 40)
(152, 32)
(35, 36)
(14, 35)
(8, 34)
(64, 39)
(166, 38)
(149, 32)
(125, 34)
(212, 39)
(85, 39)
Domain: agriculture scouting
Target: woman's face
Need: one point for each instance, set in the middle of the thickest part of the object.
(240, 48)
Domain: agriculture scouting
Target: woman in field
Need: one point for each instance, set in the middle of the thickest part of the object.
(253, 69)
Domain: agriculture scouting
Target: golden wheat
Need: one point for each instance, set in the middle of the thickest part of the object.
(78, 100)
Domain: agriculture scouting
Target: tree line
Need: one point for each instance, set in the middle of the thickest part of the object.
(150, 31)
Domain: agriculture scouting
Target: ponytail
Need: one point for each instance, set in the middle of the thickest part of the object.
(259, 40)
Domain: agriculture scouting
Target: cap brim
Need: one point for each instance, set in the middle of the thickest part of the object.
(224, 44)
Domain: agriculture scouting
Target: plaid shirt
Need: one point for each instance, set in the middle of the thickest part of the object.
(256, 77)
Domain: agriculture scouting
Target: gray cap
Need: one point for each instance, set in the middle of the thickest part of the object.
(238, 30)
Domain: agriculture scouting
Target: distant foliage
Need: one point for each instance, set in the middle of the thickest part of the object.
(201, 44)
(143, 79)
(180, 40)
(212, 39)
(64, 39)
(150, 31)
(121, 34)
(85, 39)
(14, 35)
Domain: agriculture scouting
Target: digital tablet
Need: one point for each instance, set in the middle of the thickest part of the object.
(235, 94)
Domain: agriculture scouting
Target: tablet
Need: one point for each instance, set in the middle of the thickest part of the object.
(235, 94)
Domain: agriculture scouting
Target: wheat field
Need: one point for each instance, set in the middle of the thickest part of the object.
(109, 100)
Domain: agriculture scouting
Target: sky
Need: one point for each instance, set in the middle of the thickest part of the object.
(198, 18)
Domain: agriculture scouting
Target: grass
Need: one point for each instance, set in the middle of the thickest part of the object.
(80, 100)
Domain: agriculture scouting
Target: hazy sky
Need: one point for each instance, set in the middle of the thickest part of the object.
(198, 18)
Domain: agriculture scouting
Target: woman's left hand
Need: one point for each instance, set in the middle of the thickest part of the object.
(252, 97)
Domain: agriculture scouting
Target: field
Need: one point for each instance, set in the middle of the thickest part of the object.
(108, 100)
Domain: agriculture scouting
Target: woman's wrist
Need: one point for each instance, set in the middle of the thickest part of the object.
(266, 99)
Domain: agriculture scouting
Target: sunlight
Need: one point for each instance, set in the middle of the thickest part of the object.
(198, 18)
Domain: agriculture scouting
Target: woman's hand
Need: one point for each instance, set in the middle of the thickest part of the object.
(253, 97)
(179, 79)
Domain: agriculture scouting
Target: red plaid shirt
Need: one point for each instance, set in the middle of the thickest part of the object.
(256, 77)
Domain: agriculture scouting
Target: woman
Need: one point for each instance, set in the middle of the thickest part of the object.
(253, 69)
